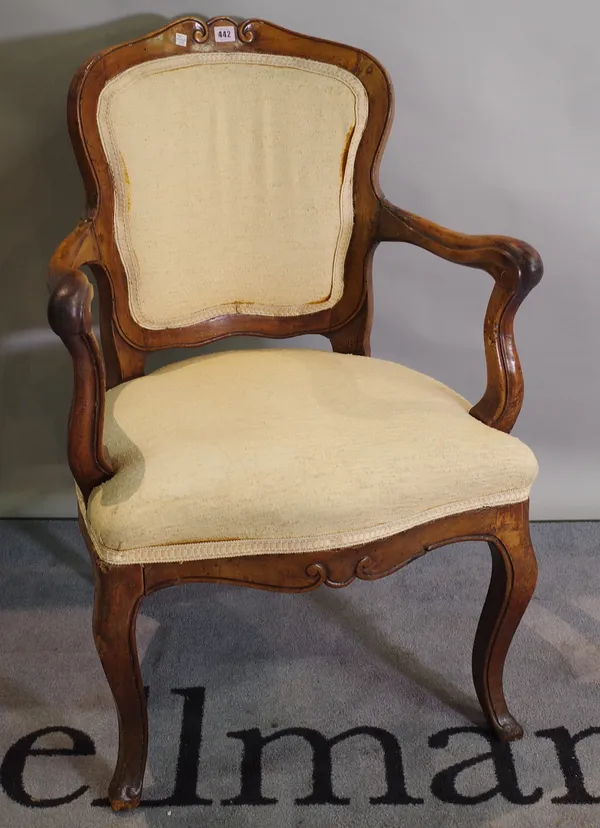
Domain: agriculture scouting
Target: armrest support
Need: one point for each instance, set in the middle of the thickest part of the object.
(516, 269)
(69, 315)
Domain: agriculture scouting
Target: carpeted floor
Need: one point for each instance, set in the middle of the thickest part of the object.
(227, 668)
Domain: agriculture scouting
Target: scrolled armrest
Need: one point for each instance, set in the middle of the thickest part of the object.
(69, 315)
(69, 306)
(516, 269)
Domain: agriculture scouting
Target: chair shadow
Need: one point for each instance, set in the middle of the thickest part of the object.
(72, 556)
(41, 200)
(362, 628)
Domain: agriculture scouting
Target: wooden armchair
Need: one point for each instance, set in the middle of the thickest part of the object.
(232, 188)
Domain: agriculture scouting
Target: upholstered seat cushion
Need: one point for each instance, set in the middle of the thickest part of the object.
(251, 452)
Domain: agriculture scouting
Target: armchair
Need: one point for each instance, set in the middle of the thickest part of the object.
(231, 179)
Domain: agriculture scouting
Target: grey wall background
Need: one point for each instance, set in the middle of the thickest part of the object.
(497, 130)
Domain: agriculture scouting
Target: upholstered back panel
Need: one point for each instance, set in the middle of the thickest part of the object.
(233, 178)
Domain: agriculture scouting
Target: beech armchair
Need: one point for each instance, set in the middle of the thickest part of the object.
(232, 188)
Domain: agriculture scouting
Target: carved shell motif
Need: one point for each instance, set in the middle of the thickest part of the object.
(365, 569)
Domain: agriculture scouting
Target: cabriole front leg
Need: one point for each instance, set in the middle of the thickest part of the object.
(513, 580)
(119, 590)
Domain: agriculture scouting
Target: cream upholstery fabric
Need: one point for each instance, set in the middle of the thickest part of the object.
(233, 182)
(250, 452)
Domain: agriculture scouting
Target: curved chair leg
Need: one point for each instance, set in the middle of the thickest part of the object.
(514, 575)
(119, 590)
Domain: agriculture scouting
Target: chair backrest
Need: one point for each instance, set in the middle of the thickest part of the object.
(231, 175)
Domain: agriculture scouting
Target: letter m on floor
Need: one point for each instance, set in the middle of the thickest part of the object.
(322, 793)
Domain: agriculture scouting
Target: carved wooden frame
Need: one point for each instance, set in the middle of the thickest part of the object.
(254, 36)
(515, 267)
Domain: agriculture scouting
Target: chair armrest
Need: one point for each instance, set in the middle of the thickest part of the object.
(516, 269)
(69, 315)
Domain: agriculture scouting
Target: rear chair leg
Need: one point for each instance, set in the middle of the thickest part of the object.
(118, 594)
(514, 575)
